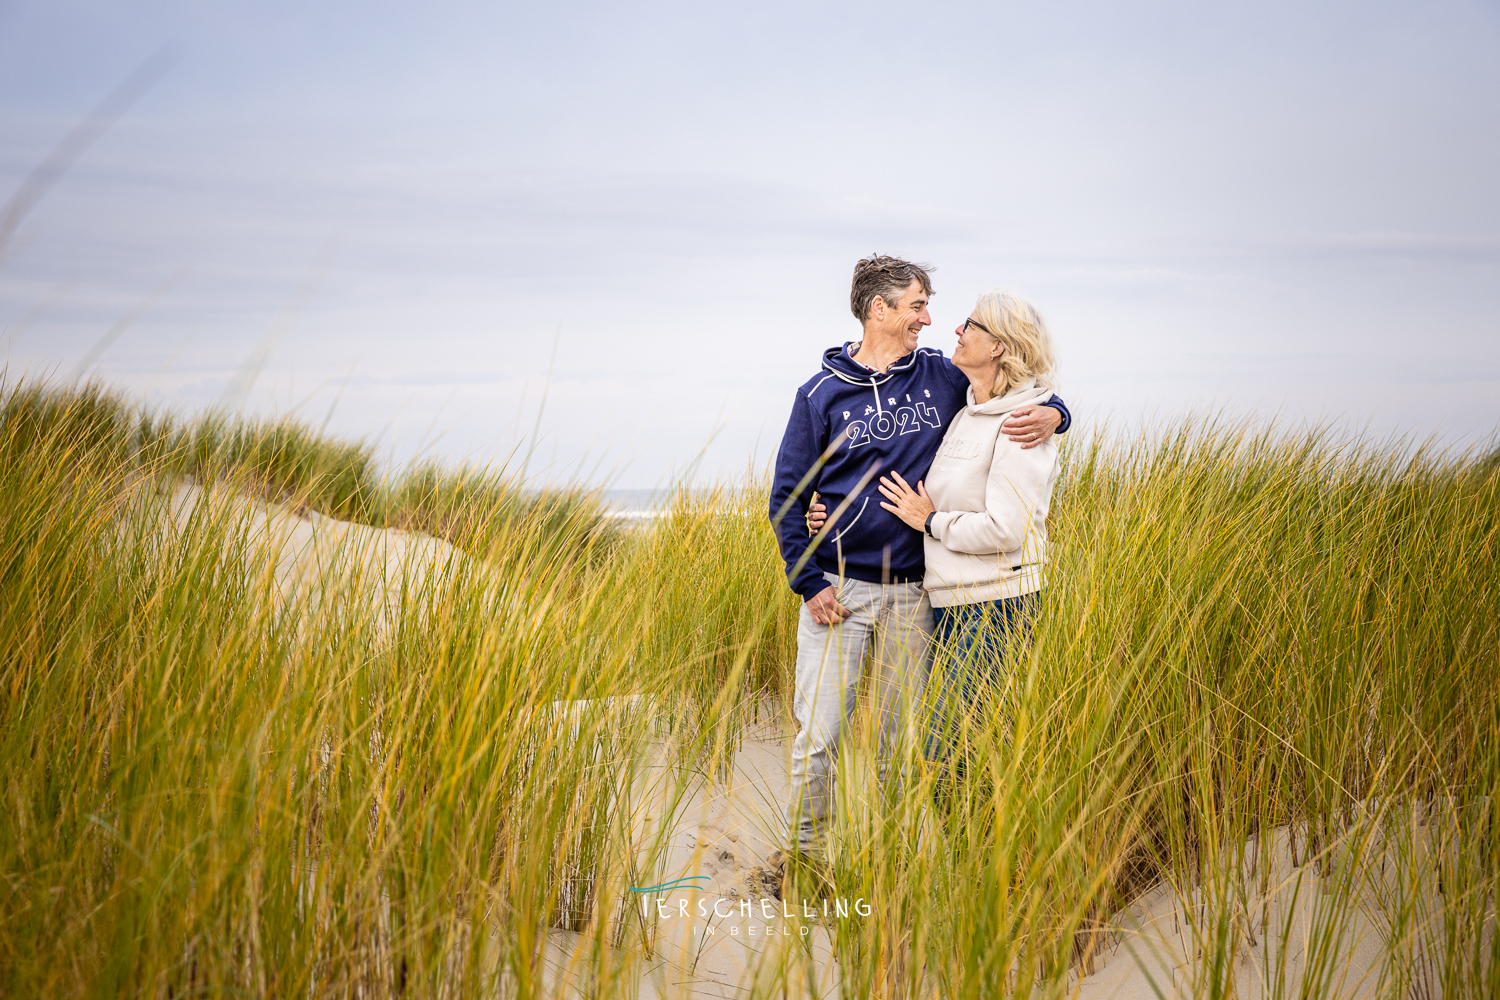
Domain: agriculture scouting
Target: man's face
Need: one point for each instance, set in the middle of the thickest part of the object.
(908, 316)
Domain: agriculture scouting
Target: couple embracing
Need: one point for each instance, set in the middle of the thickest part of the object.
(935, 475)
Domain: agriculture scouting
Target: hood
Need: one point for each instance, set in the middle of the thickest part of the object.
(1025, 394)
(840, 361)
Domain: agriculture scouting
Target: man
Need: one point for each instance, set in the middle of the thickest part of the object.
(879, 405)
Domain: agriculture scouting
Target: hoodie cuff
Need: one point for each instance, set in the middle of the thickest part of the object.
(1067, 417)
(937, 526)
(810, 587)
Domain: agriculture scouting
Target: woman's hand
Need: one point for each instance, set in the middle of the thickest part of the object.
(912, 506)
(816, 515)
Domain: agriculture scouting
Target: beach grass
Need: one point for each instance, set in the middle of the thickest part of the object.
(1252, 642)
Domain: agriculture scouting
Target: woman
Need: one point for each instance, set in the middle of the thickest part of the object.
(983, 507)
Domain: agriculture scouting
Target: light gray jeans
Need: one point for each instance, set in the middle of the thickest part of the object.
(897, 618)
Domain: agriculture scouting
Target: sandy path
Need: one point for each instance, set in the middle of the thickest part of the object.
(713, 936)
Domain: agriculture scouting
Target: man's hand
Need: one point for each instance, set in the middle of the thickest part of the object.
(825, 608)
(1030, 426)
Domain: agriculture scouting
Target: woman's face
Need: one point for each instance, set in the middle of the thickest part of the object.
(976, 349)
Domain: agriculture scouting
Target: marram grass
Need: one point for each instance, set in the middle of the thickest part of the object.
(1251, 642)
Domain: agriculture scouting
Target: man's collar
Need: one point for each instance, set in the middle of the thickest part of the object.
(852, 348)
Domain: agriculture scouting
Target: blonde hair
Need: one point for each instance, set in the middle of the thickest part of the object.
(1029, 353)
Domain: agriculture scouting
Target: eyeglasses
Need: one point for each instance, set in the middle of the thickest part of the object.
(974, 322)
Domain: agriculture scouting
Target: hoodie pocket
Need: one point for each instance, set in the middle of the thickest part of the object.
(838, 535)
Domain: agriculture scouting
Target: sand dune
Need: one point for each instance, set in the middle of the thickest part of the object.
(711, 936)
(306, 557)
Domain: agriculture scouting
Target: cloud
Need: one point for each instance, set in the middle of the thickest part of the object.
(1268, 205)
(1435, 247)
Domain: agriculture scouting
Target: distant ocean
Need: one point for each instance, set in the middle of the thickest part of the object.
(636, 501)
(635, 505)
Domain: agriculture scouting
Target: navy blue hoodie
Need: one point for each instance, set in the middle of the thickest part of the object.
(868, 423)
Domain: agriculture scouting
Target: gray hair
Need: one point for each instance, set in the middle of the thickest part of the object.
(887, 277)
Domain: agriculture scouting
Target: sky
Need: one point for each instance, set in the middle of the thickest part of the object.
(605, 242)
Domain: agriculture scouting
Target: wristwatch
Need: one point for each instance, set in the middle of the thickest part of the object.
(927, 525)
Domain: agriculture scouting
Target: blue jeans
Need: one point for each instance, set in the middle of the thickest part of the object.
(971, 644)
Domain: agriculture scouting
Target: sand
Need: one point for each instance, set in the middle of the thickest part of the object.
(1290, 926)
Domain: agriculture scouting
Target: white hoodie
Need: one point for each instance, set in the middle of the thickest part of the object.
(989, 536)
